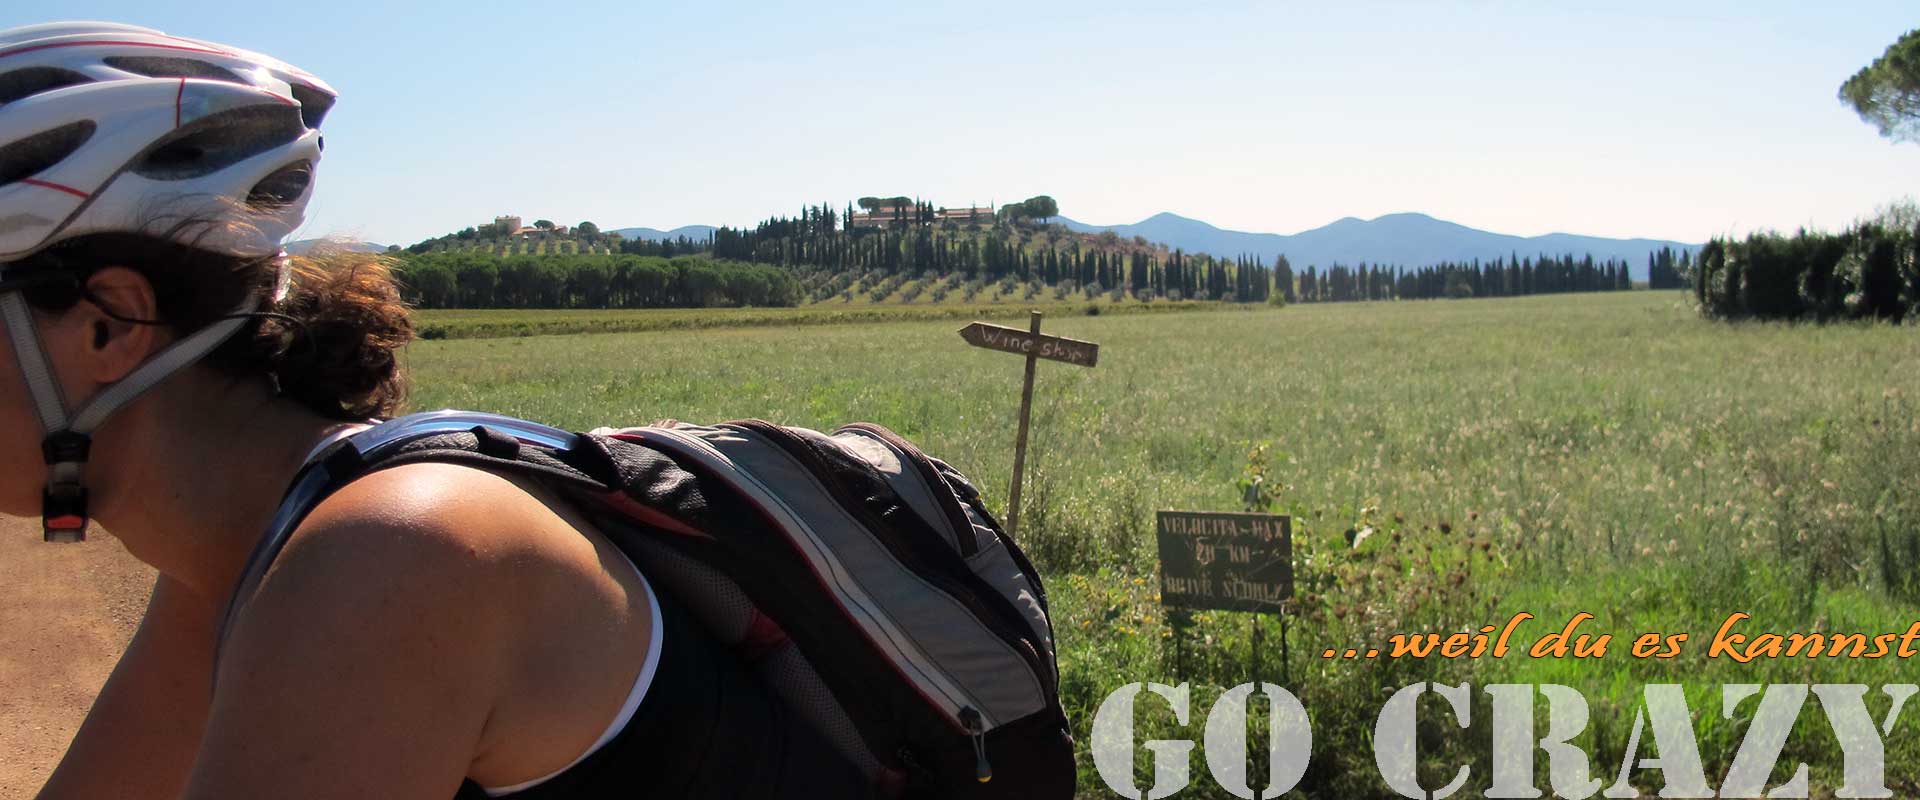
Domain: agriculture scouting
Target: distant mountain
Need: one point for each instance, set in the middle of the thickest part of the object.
(304, 246)
(655, 234)
(1409, 240)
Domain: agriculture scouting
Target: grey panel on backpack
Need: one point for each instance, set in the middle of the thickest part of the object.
(940, 645)
(905, 480)
(996, 566)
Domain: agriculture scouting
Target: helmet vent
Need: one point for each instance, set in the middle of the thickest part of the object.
(29, 81)
(314, 104)
(166, 67)
(283, 187)
(218, 141)
(26, 157)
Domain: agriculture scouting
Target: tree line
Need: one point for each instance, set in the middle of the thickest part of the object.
(814, 256)
(1868, 271)
(1665, 271)
(1512, 276)
(1007, 248)
(479, 279)
(496, 237)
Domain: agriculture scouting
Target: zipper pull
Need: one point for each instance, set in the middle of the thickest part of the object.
(977, 730)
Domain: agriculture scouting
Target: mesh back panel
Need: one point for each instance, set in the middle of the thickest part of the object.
(715, 599)
(794, 679)
(725, 610)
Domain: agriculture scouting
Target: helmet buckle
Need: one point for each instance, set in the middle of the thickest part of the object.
(63, 513)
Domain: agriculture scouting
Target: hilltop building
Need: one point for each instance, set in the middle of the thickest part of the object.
(510, 227)
(890, 212)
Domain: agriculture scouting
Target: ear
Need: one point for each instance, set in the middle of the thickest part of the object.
(114, 346)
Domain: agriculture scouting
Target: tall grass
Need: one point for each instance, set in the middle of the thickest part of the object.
(1613, 454)
(507, 323)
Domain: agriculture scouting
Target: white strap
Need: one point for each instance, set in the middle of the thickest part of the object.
(48, 401)
(156, 369)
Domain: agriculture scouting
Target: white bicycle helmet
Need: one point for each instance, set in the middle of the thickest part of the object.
(108, 128)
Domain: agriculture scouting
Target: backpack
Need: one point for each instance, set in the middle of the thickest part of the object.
(865, 581)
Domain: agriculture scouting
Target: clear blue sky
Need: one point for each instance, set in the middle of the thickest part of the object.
(1603, 118)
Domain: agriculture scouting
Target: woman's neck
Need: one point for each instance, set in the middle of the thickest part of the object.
(196, 476)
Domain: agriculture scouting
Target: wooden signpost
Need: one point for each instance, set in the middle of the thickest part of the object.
(1035, 346)
(1227, 561)
(1031, 343)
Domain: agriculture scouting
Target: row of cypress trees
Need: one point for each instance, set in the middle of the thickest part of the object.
(1868, 271)
(1502, 277)
(480, 279)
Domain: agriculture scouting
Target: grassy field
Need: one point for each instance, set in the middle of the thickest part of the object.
(505, 323)
(1608, 453)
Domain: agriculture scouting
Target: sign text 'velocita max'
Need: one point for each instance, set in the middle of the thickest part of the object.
(1226, 561)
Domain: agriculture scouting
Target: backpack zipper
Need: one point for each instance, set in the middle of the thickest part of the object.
(982, 771)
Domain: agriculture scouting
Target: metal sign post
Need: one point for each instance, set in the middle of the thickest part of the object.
(1227, 561)
(1034, 346)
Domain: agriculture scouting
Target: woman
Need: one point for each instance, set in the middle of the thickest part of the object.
(429, 630)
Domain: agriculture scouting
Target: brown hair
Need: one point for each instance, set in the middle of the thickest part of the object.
(329, 344)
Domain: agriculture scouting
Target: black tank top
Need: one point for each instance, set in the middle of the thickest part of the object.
(707, 728)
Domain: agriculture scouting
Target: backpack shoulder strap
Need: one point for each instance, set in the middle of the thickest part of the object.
(487, 441)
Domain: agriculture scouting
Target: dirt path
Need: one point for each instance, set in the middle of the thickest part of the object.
(65, 613)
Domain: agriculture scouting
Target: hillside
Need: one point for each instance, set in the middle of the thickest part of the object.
(1403, 239)
(694, 232)
(927, 254)
(1406, 240)
(303, 246)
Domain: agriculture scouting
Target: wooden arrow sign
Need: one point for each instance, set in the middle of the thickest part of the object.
(1014, 340)
(1034, 345)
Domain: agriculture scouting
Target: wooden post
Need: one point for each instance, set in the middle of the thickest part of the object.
(1033, 346)
(1020, 441)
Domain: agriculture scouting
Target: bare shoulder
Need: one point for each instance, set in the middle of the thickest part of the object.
(469, 517)
(432, 536)
(395, 628)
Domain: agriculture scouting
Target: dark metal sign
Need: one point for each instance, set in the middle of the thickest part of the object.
(1014, 340)
(1226, 561)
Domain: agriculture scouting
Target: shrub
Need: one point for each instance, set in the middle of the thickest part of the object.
(1867, 271)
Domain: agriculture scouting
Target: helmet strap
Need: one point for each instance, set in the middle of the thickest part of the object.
(68, 439)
